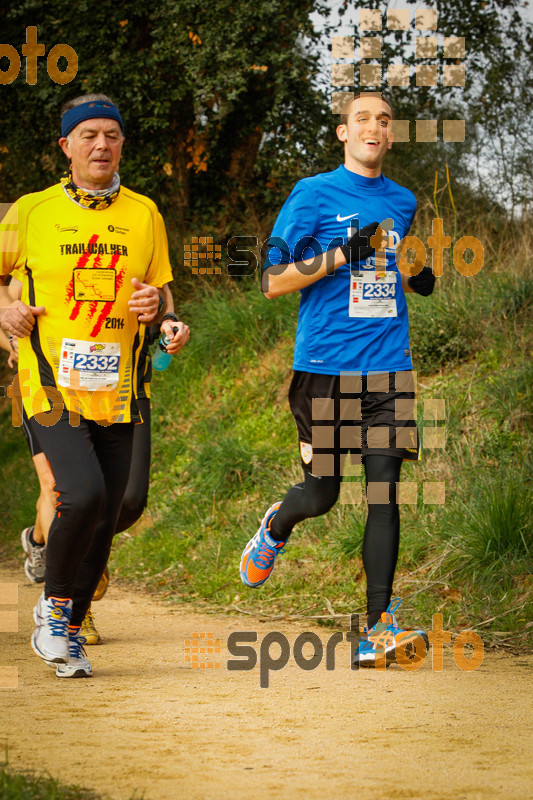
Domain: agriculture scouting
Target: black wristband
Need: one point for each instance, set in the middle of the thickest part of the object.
(170, 315)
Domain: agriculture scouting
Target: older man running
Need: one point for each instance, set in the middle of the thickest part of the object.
(93, 257)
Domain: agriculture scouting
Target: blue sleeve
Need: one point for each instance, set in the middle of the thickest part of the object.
(294, 228)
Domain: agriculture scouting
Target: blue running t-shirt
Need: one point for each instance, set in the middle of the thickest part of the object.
(356, 318)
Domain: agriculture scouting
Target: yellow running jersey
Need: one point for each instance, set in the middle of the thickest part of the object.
(78, 263)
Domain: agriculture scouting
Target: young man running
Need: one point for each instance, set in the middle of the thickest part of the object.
(353, 387)
(94, 256)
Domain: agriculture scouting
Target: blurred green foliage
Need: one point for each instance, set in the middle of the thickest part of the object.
(227, 105)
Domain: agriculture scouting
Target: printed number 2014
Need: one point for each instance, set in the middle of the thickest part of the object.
(114, 322)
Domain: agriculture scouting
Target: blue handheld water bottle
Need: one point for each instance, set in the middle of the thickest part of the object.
(161, 359)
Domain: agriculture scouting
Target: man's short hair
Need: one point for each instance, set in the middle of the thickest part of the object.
(344, 117)
(85, 98)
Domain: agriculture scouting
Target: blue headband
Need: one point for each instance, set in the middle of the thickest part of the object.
(92, 110)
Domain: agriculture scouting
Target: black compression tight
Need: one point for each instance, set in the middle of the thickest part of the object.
(382, 533)
(136, 494)
(90, 464)
(316, 496)
(312, 498)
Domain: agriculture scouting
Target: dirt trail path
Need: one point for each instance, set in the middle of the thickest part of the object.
(149, 722)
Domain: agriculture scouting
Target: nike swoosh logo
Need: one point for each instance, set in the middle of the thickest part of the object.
(342, 219)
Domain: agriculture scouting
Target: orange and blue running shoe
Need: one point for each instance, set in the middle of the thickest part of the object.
(385, 638)
(259, 555)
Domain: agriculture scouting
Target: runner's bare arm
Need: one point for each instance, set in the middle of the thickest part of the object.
(169, 300)
(5, 298)
(146, 301)
(286, 278)
(7, 295)
(282, 279)
(177, 331)
(4, 342)
(16, 317)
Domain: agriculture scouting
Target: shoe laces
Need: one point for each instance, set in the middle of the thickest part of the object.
(88, 622)
(58, 625)
(393, 605)
(382, 633)
(389, 620)
(266, 554)
(75, 645)
(38, 554)
(365, 645)
(387, 617)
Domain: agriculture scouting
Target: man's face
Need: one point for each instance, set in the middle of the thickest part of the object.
(366, 136)
(94, 149)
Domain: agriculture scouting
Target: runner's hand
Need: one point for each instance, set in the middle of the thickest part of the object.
(144, 301)
(358, 246)
(19, 319)
(178, 333)
(423, 283)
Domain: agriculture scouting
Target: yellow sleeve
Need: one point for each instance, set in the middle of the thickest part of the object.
(13, 237)
(159, 272)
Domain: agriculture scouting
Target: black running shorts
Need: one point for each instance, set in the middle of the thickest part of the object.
(30, 432)
(361, 414)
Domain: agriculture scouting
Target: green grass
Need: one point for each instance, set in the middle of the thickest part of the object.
(27, 786)
(496, 538)
(225, 447)
(20, 486)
